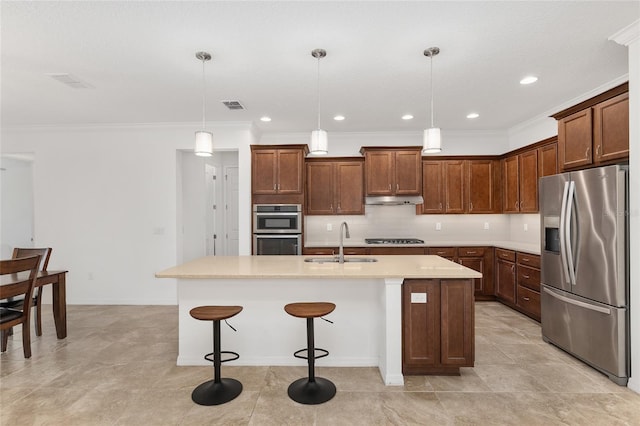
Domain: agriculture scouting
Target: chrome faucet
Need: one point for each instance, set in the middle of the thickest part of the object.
(344, 226)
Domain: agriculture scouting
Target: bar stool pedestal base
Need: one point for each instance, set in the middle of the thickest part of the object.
(212, 393)
(306, 392)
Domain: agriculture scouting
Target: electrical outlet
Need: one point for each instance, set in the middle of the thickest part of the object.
(526, 227)
(486, 225)
(438, 226)
(329, 227)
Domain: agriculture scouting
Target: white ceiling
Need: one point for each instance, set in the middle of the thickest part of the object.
(140, 59)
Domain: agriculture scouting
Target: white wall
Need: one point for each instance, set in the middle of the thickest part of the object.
(349, 144)
(107, 203)
(16, 204)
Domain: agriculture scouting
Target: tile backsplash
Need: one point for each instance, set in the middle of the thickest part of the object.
(403, 222)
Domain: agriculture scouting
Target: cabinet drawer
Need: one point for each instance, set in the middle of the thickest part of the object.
(529, 277)
(506, 254)
(529, 301)
(471, 251)
(529, 260)
(442, 251)
(318, 250)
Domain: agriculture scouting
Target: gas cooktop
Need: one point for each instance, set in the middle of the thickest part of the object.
(393, 241)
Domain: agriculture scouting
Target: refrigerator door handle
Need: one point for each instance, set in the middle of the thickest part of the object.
(577, 302)
(563, 225)
(568, 231)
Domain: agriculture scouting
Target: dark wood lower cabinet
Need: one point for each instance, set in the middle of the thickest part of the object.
(438, 326)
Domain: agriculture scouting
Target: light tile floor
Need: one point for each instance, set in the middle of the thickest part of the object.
(117, 367)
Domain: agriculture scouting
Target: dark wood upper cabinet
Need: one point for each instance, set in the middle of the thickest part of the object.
(432, 187)
(481, 184)
(596, 131)
(611, 129)
(548, 160)
(528, 181)
(334, 186)
(511, 187)
(277, 170)
(454, 179)
(391, 171)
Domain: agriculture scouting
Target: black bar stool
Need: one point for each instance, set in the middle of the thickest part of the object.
(311, 390)
(216, 391)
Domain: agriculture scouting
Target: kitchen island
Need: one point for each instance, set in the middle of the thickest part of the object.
(367, 329)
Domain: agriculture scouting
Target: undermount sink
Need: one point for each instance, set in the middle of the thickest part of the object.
(336, 260)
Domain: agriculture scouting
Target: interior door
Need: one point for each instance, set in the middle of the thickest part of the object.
(231, 210)
(211, 211)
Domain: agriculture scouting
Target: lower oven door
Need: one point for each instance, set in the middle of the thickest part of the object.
(279, 244)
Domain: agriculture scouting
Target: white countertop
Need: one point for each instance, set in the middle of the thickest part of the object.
(247, 267)
(509, 245)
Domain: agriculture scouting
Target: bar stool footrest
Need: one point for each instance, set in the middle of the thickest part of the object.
(306, 392)
(212, 393)
(323, 353)
(235, 355)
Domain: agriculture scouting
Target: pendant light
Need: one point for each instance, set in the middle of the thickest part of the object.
(319, 139)
(431, 142)
(204, 139)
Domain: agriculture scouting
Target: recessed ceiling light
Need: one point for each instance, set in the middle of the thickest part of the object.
(265, 119)
(529, 79)
(339, 117)
(407, 117)
(473, 115)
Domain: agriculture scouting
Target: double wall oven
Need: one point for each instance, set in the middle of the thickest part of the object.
(277, 229)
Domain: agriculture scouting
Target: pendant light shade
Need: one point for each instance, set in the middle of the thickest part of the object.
(204, 144)
(204, 139)
(319, 139)
(431, 142)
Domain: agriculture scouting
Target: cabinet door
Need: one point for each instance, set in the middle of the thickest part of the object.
(548, 160)
(290, 163)
(421, 322)
(263, 171)
(480, 184)
(457, 323)
(454, 186)
(511, 189)
(528, 181)
(349, 187)
(320, 184)
(611, 129)
(477, 264)
(433, 187)
(506, 280)
(378, 169)
(408, 173)
(575, 139)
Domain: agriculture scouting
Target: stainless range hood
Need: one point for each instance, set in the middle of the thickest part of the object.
(393, 200)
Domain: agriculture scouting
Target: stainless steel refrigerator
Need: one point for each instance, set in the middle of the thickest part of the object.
(584, 267)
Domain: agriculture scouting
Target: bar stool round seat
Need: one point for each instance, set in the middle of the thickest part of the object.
(312, 389)
(217, 391)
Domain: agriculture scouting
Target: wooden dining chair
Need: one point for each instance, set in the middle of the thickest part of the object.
(14, 284)
(16, 303)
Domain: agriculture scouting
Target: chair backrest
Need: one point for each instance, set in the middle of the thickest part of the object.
(26, 252)
(24, 272)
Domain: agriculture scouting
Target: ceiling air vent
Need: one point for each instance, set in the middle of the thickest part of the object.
(233, 105)
(70, 80)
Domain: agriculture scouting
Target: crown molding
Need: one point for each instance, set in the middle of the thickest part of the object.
(628, 34)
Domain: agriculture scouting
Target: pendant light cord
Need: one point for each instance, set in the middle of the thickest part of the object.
(431, 75)
(318, 90)
(204, 86)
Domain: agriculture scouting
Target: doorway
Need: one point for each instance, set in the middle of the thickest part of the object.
(17, 223)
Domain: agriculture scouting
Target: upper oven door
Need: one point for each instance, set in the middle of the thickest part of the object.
(277, 219)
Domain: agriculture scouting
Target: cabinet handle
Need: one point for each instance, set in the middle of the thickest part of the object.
(526, 299)
(525, 276)
(525, 259)
(439, 252)
(275, 187)
(598, 151)
(516, 205)
(513, 267)
(397, 187)
(389, 187)
(440, 206)
(471, 252)
(338, 207)
(470, 206)
(586, 153)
